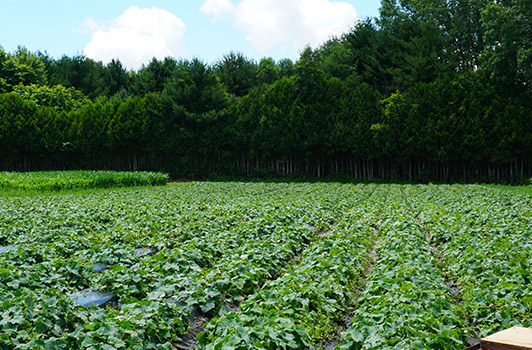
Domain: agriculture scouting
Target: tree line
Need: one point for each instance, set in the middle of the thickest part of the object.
(430, 90)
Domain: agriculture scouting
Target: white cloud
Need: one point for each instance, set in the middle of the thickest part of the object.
(269, 23)
(88, 27)
(136, 36)
(217, 8)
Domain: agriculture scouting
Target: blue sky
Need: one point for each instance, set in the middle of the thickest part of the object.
(136, 30)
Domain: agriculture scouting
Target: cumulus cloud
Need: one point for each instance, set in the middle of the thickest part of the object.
(89, 26)
(276, 22)
(136, 36)
(217, 8)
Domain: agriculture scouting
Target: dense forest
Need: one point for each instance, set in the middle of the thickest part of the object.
(431, 90)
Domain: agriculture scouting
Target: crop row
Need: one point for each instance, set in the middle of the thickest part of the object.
(208, 251)
(274, 266)
(306, 304)
(485, 238)
(406, 302)
(160, 216)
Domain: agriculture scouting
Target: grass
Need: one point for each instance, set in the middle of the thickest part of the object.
(13, 183)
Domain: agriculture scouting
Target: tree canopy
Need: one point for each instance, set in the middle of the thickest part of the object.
(429, 90)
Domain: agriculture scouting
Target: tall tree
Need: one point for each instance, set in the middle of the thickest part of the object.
(507, 55)
(35, 61)
(153, 77)
(237, 73)
(267, 71)
(57, 97)
(195, 88)
(14, 71)
(117, 78)
(81, 73)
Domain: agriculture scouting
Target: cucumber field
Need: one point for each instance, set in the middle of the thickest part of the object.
(234, 265)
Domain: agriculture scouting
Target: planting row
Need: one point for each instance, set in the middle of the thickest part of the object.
(221, 250)
(406, 303)
(268, 266)
(160, 217)
(485, 238)
(306, 304)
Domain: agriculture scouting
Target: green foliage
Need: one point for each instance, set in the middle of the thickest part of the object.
(117, 78)
(214, 243)
(237, 73)
(485, 244)
(22, 68)
(62, 180)
(19, 125)
(153, 77)
(81, 73)
(269, 266)
(196, 89)
(286, 67)
(405, 303)
(507, 54)
(35, 62)
(57, 97)
(267, 71)
(431, 90)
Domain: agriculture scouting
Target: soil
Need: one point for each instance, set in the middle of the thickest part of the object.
(190, 341)
(333, 343)
(320, 233)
